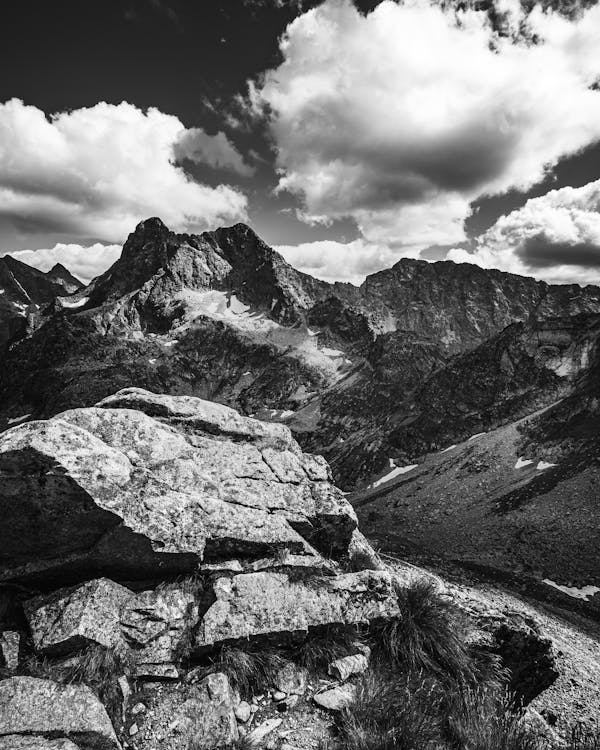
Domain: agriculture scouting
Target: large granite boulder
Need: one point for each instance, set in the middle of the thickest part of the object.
(112, 490)
(152, 627)
(22, 742)
(41, 708)
(275, 605)
(71, 619)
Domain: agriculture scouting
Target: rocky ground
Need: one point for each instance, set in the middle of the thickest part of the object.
(177, 575)
(493, 501)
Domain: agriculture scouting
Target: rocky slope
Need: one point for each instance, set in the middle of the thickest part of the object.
(24, 292)
(147, 538)
(223, 316)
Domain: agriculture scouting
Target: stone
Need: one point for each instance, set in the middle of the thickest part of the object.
(139, 708)
(155, 625)
(272, 604)
(22, 742)
(243, 711)
(336, 699)
(31, 706)
(112, 491)
(361, 554)
(288, 703)
(207, 717)
(70, 619)
(279, 695)
(257, 735)
(194, 415)
(10, 646)
(291, 679)
(346, 666)
(133, 730)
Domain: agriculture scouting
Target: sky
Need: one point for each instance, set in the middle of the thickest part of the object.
(347, 133)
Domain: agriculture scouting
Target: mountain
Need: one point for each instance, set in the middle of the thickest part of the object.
(24, 291)
(63, 277)
(222, 316)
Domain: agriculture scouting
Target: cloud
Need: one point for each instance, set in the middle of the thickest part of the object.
(83, 262)
(337, 261)
(555, 236)
(214, 150)
(402, 117)
(92, 174)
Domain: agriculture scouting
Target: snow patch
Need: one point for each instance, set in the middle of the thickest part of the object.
(478, 434)
(71, 304)
(152, 361)
(544, 465)
(332, 352)
(521, 462)
(393, 474)
(14, 420)
(585, 593)
(449, 448)
(171, 343)
(312, 333)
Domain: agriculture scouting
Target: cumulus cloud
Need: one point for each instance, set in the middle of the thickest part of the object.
(402, 117)
(555, 236)
(215, 150)
(92, 174)
(338, 261)
(83, 262)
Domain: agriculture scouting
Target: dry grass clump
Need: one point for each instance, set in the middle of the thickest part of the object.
(429, 636)
(318, 651)
(250, 672)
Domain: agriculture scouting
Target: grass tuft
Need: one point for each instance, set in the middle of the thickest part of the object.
(249, 672)
(391, 715)
(318, 651)
(428, 637)
(482, 718)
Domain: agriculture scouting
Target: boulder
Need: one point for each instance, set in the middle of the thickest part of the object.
(337, 698)
(73, 618)
(21, 742)
(153, 626)
(111, 490)
(273, 604)
(10, 647)
(30, 706)
(346, 666)
(291, 679)
(207, 718)
(156, 625)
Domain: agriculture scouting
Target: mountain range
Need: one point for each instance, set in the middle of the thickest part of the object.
(377, 378)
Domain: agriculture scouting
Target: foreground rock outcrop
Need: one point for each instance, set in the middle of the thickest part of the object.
(149, 534)
(111, 490)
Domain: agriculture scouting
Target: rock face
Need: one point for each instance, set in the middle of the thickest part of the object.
(29, 706)
(222, 316)
(116, 491)
(24, 291)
